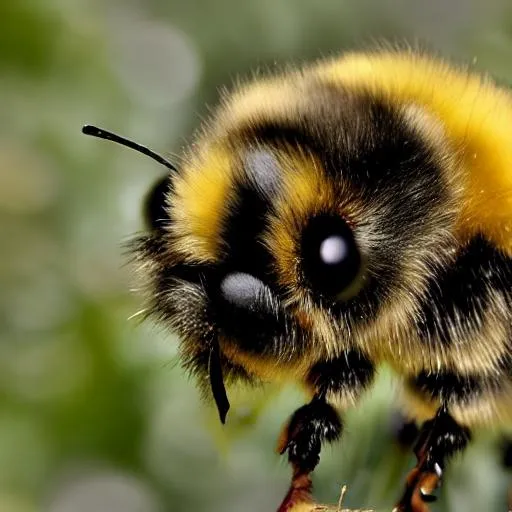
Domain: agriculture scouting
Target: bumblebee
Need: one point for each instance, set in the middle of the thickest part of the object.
(332, 219)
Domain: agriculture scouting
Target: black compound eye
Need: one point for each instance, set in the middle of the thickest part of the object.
(155, 211)
(331, 261)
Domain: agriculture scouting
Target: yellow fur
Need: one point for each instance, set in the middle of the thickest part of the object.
(199, 204)
(265, 369)
(491, 410)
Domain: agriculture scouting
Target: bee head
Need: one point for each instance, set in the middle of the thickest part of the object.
(300, 219)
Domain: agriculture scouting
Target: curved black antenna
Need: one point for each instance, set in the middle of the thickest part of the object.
(217, 380)
(104, 134)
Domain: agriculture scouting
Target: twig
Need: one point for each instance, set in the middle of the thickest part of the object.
(337, 508)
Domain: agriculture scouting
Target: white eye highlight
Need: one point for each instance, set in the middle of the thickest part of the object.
(333, 250)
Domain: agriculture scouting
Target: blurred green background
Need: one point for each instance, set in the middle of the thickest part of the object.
(95, 413)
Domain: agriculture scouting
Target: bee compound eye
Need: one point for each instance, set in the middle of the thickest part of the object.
(331, 260)
(155, 204)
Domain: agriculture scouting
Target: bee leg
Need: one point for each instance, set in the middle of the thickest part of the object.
(309, 427)
(404, 430)
(440, 438)
(318, 421)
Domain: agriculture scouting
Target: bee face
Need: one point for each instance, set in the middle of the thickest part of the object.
(288, 233)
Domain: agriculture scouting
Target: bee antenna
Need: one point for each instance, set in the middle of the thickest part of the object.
(104, 134)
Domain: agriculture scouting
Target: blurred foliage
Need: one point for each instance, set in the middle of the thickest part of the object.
(95, 414)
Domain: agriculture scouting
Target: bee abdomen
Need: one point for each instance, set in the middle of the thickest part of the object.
(476, 289)
(452, 387)
(464, 324)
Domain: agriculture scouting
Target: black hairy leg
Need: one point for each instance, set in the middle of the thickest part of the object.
(318, 422)
(439, 439)
(309, 427)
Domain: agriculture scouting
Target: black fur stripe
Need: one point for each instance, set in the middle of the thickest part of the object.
(452, 387)
(243, 228)
(359, 137)
(461, 294)
(448, 386)
(351, 372)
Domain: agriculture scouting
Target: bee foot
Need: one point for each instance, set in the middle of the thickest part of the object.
(427, 485)
(308, 428)
(439, 439)
(420, 488)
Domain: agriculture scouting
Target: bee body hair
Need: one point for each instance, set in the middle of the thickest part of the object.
(353, 213)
